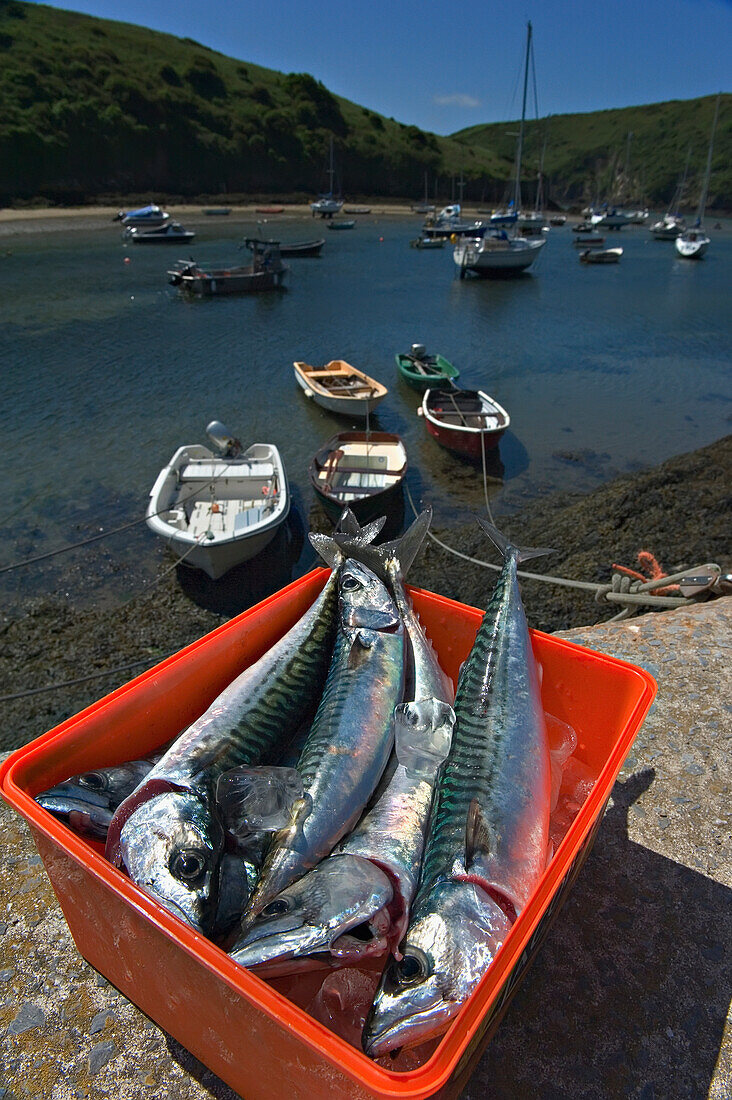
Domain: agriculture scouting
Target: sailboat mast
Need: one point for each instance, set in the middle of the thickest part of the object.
(331, 170)
(519, 151)
(707, 174)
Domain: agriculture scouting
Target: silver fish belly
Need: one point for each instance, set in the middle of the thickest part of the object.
(351, 736)
(488, 837)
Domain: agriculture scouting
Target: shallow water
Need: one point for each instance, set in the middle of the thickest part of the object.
(106, 370)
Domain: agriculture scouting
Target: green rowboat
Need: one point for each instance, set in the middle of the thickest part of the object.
(422, 371)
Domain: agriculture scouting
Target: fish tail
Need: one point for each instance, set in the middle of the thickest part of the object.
(357, 537)
(506, 547)
(350, 538)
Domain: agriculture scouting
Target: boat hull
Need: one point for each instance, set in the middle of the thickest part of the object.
(217, 513)
(466, 439)
(442, 371)
(342, 404)
(363, 471)
(692, 249)
(210, 285)
(304, 248)
(510, 257)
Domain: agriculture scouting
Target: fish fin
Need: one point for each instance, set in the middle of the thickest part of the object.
(477, 834)
(362, 642)
(292, 834)
(507, 548)
(422, 735)
(329, 551)
(349, 525)
(377, 558)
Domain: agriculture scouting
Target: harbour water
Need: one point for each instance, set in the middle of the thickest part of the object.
(106, 370)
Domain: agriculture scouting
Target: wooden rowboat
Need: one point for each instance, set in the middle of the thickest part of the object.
(360, 470)
(464, 421)
(339, 387)
(420, 370)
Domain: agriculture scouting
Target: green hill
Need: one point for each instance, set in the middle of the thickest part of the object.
(95, 109)
(591, 155)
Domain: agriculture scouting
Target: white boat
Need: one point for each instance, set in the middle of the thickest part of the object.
(668, 228)
(449, 222)
(168, 233)
(339, 387)
(217, 509)
(498, 248)
(610, 218)
(327, 205)
(149, 216)
(693, 243)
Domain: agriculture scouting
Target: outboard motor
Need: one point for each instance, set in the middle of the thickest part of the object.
(418, 351)
(223, 440)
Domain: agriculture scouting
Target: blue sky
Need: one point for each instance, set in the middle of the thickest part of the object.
(443, 66)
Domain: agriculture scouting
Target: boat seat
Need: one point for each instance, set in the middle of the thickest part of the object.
(232, 518)
(208, 471)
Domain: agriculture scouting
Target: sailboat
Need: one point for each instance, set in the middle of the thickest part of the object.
(672, 225)
(327, 205)
(498, 248)
(693, 243)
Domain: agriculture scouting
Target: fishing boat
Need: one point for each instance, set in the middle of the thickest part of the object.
(360, 470)
(339, 387)
(427, 242)
(265, 272)
(299, 248)
(693, 242)
(219, 508)
(168, 233)
(328, 204)
(341, 224)
(600, 255)
(464, 421)
(499, 249)
(149, 216)
(420, 370)
(592, 241)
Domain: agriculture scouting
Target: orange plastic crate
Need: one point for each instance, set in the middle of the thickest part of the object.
(256, 1039)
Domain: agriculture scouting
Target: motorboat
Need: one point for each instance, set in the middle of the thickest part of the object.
(465, 421)
(339, 387)
(668, 228)
(217, 508)
(427, 242)
(558, 220)
(149, 216)
(610, 218)
(363, 471)
(693, 242)
(356, 209)
(294, 248)
(600, 255)
(168, 233)
(265, 272)
(420, 370)
(449, 222)
(341, 225)
(499, 249)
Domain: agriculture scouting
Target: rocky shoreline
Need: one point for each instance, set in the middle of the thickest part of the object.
(679, 511)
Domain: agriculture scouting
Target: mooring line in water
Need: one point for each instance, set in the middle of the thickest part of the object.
(83, 679)
(623, 590)
(102, 535)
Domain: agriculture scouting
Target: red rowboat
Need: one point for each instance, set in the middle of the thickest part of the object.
(465, 421)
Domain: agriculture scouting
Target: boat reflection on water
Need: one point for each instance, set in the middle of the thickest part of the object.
(253, 580)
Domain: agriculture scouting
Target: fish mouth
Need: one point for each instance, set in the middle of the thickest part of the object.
(410, 1031)
(170, 906)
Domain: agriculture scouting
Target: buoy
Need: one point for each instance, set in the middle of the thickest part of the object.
(381, 238)
(127, 259)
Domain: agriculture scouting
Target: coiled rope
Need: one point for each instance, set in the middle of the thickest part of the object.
(624, 590)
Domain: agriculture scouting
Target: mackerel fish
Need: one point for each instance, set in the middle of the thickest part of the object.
(488, 837)
(168, 834)
(87, 801)
(350, 739)
(355, 903)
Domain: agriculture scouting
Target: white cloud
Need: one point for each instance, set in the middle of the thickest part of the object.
(456, 100)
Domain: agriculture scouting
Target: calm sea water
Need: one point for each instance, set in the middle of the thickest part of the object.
(106, 370)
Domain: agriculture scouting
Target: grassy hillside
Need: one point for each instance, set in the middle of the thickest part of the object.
(92, 106)
(98, 109)
(590, 155)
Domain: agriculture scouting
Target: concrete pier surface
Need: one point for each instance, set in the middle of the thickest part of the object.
(628, 997)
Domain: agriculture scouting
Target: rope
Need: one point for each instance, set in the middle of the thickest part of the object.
(103, 535)
(622, 590)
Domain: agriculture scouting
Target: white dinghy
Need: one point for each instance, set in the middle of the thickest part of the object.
(219, 509)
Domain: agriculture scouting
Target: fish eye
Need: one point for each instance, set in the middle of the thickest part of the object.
(93, 781)
(350, 583)
(412, 968)
(188, 865)
(276, 908)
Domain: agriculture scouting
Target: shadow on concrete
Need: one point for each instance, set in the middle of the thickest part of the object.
(629, 993)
